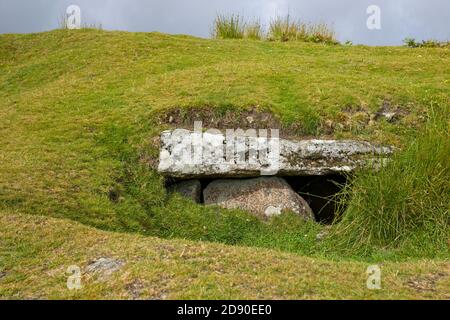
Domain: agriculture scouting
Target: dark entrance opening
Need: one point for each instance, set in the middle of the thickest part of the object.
(321, 193)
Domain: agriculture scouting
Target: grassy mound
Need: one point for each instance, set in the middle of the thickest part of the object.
(80, 114)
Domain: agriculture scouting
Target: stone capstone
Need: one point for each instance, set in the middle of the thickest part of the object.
(189, 154)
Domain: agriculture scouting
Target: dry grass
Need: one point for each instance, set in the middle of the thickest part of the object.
(254, 30)
(229, 27)
(288, 29)
(35, 260)
(280, 29)
(62, 23)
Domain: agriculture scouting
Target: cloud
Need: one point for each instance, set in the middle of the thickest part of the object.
(274, 8)
(400, 18)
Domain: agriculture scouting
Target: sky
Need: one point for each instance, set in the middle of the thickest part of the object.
(399, 19)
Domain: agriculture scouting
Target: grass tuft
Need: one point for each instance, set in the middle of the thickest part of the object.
(286, 29)
(229, 27)
(412, 43)
(62, 23)
(407, 200)
(254, 30)
(280, 29)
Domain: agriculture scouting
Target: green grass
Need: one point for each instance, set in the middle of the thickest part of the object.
(80, 113)
(229, 27)
(35, 260)
(254, 30)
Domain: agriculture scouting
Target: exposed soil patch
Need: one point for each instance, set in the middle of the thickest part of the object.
(427, 282)
(135, 289)
(390, 113)
(217, 118)
(220, 119)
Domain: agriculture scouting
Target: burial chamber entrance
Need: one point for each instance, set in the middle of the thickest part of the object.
(303, 176)
(321, 192)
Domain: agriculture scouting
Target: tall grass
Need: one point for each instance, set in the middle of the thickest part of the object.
(284, 29)
(254, 30)
(236, 27)
(321, 33)
(407, 201)
(280, 29)
(62, 23)
(229, 27)
(287, 29)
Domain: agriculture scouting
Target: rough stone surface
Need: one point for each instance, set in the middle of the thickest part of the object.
(389, 112)
(191, 189)
(104, 266)
(289, 158)
(264, 196)
(323, 234)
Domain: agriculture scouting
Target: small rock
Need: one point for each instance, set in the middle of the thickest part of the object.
(264, 196)
(272, 211)
(191, 189)
(250, 119)
(104, 266)
(389, 112)
(389, 116)
(322, 234)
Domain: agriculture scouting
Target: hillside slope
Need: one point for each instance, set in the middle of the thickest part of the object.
(36, 259)
(80, 116)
